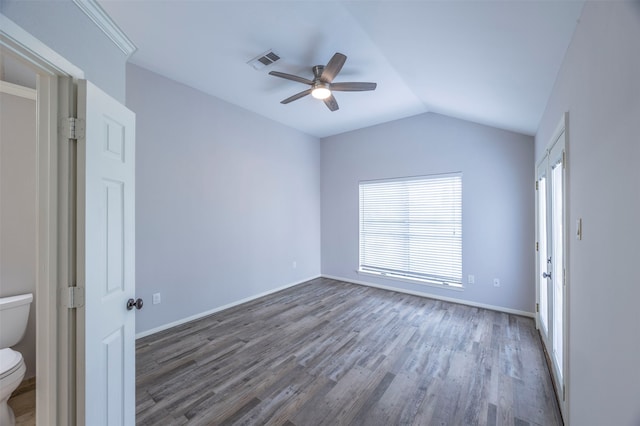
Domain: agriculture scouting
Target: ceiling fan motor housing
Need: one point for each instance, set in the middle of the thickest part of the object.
(317, 71)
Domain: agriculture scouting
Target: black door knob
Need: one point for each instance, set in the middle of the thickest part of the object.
(138, 303)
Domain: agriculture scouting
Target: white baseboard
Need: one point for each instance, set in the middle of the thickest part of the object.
(220, 308)
(433, 296)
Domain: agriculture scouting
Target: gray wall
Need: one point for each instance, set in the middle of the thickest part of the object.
(18, 166)
(599, 84)
(498, 200)
(63, 27)
(226, 201)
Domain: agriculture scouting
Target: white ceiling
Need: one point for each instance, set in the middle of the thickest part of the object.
(491, 62)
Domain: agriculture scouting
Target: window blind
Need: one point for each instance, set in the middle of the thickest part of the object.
(412, 228)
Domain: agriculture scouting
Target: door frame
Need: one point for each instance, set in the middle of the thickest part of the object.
(52, 250)
(559, 136)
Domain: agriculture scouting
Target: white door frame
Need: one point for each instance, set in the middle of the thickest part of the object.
(558, 145)
(52, 338)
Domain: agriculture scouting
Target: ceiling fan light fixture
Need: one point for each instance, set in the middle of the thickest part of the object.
(320, 91)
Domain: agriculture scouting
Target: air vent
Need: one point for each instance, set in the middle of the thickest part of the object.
(265, 59)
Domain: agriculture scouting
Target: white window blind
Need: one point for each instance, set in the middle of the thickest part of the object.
(412, 228)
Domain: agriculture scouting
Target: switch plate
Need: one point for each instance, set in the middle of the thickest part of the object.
(471, 279)
(156, 298)
(496, 282)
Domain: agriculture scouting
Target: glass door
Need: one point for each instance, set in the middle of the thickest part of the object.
(550, 259)
(542, 266)
(556, 267)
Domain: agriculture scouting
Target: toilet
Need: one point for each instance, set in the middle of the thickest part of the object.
(14, 313)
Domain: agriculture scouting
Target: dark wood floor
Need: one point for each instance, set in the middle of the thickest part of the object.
(331, 353)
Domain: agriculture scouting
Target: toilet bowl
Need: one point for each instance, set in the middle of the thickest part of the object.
(12, 369)
(14, 313)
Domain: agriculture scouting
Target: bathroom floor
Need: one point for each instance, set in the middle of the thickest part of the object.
(23, 403)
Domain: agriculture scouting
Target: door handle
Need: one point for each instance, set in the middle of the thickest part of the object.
(544, 275)
(138, 303)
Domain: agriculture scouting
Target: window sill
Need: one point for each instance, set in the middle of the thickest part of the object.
(410, 280)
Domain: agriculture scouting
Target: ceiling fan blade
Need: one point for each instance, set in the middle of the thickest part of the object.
(333, 67)
(291, 77)
(296, 96)
(331, 103)
(353, 87)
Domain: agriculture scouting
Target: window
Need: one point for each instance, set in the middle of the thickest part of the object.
(411, 228)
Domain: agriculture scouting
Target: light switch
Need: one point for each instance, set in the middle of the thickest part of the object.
(579, 229)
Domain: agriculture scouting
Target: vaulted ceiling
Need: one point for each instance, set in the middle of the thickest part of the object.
(491, 62)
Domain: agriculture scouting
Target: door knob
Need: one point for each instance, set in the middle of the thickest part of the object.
(544, 275)
(138, 303)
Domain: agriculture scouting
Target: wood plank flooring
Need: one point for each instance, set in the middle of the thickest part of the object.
(331, 353)
(23, 403)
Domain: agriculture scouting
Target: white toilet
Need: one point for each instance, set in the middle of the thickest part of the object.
(14, 313)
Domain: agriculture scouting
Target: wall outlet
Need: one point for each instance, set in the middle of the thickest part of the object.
(156, 298)
(294, 264)
(496, 282)
(471, 279)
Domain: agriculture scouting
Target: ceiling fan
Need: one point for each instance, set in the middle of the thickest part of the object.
(322, 84)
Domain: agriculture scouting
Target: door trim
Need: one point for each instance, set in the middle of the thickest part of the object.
(51, 332)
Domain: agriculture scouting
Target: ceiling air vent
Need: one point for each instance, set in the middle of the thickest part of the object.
(263, 60)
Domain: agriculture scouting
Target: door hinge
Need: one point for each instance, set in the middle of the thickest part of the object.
(537, 246)
(73, 297)
(563, 393)
(564, 160)
(537, 307)
(72, 128)
(536, 185)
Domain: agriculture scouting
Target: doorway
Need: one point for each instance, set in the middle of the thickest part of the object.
(551, 257)
(18, 209)
(24, 52)
(85, 234)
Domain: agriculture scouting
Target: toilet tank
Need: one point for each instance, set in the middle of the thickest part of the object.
(14, 313)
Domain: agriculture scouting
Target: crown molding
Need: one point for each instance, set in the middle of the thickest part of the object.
(92, 9)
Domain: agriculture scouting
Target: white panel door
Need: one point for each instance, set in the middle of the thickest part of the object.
(106, 260)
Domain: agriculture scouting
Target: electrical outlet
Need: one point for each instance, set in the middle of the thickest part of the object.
(471, 279)
(156, 298)
(294, 265)
(496, 282)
